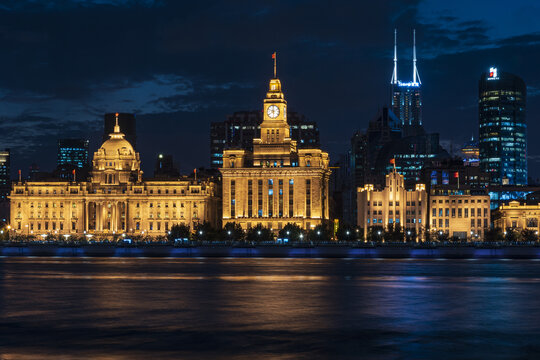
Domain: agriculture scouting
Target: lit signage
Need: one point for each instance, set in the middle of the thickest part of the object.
(493, 74)
(409, 84)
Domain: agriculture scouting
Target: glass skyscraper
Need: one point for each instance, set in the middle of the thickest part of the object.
(5, 179)
(503, 131)
(72, 155)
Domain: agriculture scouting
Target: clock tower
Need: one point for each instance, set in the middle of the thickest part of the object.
(274, 128)
(276, 183)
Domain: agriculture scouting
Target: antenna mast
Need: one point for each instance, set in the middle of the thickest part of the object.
(394, 74)
(416, 75)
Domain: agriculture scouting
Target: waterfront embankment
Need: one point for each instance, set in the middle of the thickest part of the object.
(396, 251)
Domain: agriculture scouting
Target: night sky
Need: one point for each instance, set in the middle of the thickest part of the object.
(179, 65)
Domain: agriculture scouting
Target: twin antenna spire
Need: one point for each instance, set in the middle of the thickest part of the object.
(416, 75)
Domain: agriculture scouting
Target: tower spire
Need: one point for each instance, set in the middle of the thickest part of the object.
(416, 75)
(394, 74)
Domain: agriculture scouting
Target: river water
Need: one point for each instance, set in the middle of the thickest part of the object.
(202, 308)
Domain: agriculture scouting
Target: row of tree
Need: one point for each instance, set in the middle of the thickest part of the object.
(290, 232)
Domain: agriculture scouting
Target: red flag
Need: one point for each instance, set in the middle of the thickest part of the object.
(456, 174)
(274, 55)
(393, 161)
(73, 172)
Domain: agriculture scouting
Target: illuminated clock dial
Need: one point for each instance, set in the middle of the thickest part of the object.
(272, 111)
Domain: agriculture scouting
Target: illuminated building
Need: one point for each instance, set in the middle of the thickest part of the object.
(398, 134)
(240, 128)
(72, 155)
(503, 131)
(471, 153)
(517, 216)
(461, 213)
(454, 172)
(5, 185)
(275, 183)
(5, 177)
(126, 121)
(407, 96)
(393, 204)
(115, 200)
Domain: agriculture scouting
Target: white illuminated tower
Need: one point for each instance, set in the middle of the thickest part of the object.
(406, 96)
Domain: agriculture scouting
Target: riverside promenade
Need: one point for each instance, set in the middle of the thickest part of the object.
(301, 250)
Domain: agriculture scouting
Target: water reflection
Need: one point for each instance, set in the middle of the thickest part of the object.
(61, 308)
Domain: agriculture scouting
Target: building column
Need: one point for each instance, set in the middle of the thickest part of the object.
(98, 216)
(86, 208)
(126, 221)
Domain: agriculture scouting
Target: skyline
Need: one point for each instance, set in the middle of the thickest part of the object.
(194, 81)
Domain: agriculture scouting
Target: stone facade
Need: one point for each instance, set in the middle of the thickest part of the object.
(517, 216)
(115, 201)
(276, 183)
(392, 205)
(464, 214)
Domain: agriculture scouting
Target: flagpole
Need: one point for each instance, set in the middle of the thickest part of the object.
(275, 67)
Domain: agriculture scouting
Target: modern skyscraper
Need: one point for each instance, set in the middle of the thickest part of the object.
(407, 96)
(240, 128)
(503, 130)
(72, 154)
(5, 186)
(127, 123)
(5, 178)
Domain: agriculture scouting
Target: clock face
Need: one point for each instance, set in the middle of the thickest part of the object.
(272, 111)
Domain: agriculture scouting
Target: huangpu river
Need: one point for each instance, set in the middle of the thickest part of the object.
(225, 308)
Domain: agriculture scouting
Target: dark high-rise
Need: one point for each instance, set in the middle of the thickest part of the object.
(240, 128)
(127, 124)
(165, 167)
(503, 130)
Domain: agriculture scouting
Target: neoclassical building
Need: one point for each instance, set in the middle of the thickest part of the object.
(116, 200)
(517, 216)
(276, 183)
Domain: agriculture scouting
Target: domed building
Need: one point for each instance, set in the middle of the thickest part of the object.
(115, 200)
